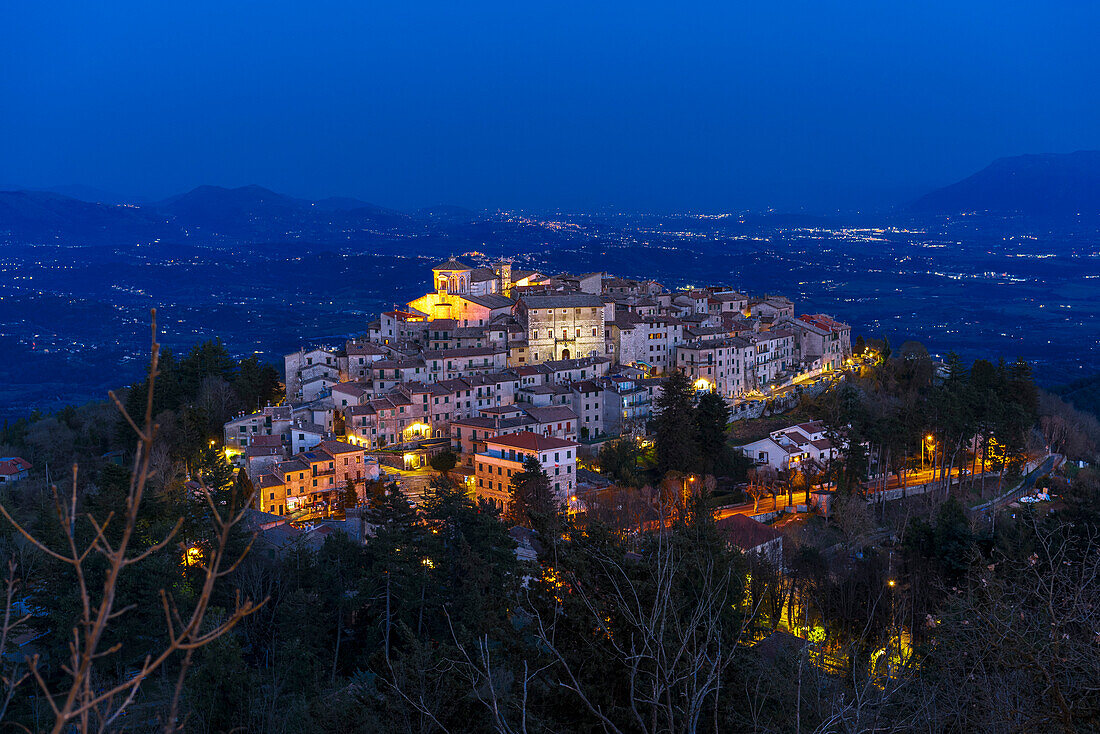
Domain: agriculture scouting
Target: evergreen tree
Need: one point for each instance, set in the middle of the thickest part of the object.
(712, 415)
(675, 425)
(953, 541)
(618, 460)
(256, 383)
(215, 471)
(394, 581)
(208, 359)
(473, 561)
(351, 496)
(532, 495)
(444, 461)
(244, 492)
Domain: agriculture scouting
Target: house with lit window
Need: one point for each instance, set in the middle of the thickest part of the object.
(450, 364)
(361, 355)
(775, 354)
(315, 478)
(395, 418)
(726, 366)
(818, 336)
(273, 420)
(791, 448)
(562, 326)
(503, 457)
(310, 368)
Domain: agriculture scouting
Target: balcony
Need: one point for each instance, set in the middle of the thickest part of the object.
(514, 457)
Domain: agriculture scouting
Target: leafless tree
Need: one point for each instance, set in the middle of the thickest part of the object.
(673, 650)
(217, 398)
(854, 518)
(84, 703)
(1019, 649)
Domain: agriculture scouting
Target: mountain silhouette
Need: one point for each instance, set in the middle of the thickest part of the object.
(1046, 185)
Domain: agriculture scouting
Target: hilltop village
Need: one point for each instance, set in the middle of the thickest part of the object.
(497, 364)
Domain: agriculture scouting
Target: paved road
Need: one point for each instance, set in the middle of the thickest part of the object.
(1026, 486)
(917, 478)
(767, 504)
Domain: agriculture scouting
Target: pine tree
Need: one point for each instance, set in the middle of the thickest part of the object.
(532, 496)
(473, 562)
(711, 416)
(675, 425)
(351, 496)
(444, 461)
(215, 471)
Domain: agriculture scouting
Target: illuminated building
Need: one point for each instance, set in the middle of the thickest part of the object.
(503, 457)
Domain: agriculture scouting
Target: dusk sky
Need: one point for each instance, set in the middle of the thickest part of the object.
(531, 104)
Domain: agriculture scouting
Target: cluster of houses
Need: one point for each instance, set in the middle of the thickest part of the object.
(802, 445)
(500, 364)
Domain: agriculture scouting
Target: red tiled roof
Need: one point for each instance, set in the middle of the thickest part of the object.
(822, 321)
(276, 441)
(530, 442)
(745, 533)
(12, 465)
(266, 481)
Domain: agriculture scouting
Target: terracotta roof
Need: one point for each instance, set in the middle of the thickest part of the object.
(821, 321)
(253, 451)
(266, 441)
(291, 466)
(463, 352)
(339, 447)
(557, 365)
(266, 481)
(364, 349)
(745, 533)
(11, 465)
(531, 442)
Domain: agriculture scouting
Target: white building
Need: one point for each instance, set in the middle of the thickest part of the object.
(503, 457)
(818, 336)
(791, 448)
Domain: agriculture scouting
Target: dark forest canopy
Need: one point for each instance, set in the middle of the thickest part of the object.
(197, 393)
(435, 624)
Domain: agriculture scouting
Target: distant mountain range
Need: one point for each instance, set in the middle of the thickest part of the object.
(1047, 185)
(208, 215)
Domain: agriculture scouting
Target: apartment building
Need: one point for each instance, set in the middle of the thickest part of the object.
(503, 457)
(727, 366)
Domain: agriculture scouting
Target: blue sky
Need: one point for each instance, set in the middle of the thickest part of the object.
(535, 104)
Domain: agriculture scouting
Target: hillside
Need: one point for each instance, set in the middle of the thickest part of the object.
(42, 217)
(205, 215)
(1047, 185)
(1083, 393)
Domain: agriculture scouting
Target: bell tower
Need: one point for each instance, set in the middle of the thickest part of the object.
(503, 270)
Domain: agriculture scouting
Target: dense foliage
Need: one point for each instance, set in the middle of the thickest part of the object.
(435, 623)
(195, 395)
